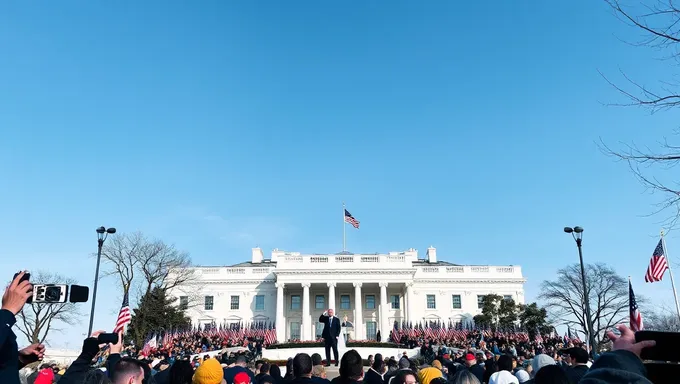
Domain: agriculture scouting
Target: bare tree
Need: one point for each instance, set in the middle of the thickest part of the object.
(662, 319)
(163, 266)
(36, 321)
(120, 253)
(607, 291)
(659, 23)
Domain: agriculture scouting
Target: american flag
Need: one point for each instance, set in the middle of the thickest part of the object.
(635, 315)
(124, 316)
(350, 219)
(658, 265)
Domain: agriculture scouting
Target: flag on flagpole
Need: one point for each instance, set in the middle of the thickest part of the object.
(658, 265)
(124, 316)
(350, 219)
(635, 315)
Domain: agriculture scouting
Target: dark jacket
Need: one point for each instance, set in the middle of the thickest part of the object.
(373, 377)
(76, 372)
(576, 373)
(332, 331)
(229, 373)
(9, 353)
(616, 367)
(302, 380)
(341, 380)
(320, 380)
(478, 371)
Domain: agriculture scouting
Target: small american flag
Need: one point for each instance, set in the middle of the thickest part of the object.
(658, 265)
(124, 316)
(635, 315)
(350, 219)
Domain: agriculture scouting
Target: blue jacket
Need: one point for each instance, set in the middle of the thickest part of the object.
(9, 353)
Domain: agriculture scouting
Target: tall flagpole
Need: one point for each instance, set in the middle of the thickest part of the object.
(668, 263)
(344, 246)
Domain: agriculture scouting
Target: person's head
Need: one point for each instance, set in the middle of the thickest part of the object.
(522, 376)
(404, 363)
(330, 312)
(405, 377)
(242, 361)
(470, 360)
(464, 376)
(551, 374)
(96, 376)
(351, 365)
(264, 368)
(438, 380)
(289, 367)
(426, 375)
(209, 372)
(504, 363)
(576, 356)
(302, 365)
(317, 359)
(181, 372)
(128, 371)
(378, 363)
(370, 359)
(437, 364)
(540, 361)
(275, 372)
(319, 371)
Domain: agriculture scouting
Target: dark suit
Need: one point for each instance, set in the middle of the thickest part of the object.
(330, 334)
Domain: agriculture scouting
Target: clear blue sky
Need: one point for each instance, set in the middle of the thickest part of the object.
(219, 126)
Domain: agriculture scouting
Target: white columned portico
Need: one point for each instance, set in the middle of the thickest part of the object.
(306, 333)
(384, 324)
(358, 320)
(331, 295)
(410, 316)
(280, 318)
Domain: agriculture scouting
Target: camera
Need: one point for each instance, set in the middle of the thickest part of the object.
(55, 293)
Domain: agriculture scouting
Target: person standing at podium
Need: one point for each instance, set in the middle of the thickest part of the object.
(330, 334)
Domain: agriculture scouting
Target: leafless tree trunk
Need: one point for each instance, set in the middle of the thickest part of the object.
(659, 23)
(36, 321)
(120, 254)
(607, 291)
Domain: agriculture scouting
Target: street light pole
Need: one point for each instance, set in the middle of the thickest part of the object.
(577, 234)
(102, 234)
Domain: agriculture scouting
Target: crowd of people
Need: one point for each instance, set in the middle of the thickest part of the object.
(496, 359)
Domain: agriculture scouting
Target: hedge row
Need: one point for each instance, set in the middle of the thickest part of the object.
(351, 344)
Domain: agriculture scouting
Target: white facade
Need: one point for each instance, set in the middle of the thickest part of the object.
(294, 289)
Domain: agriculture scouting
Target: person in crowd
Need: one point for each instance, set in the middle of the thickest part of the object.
(242, 378)
(289, 371)
(489, 367)
(181, 372)
(403, 365)
(522, 376)
(45, 375)
(275, 373)
(241, 365)
(12, 359)
(319, 375)
(127, 371)
(317, 359)
(80, 367)
(351, 368)
(426, 375)
(263, 371)
(503, 375)
(376, 371)
(540, 361)
(473, 367)
(302, 369)
(464, 376)
(405, 377)
(577, 361)
(370, 360)
(209, 372)
(551, 374)
(96, 376)
(438, 364)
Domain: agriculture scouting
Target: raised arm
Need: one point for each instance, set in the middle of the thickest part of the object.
(324, 317)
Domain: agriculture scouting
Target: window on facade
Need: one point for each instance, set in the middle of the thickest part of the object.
(259, 302)
(235, 302)
(295, 330)
(208, 303)
(370, 301)
(455, 300)
(319, 302)
(371, 330)
(507, 297)
(183, 302)
(480, 301)
(344, 302)
(431, 302)
(395, 301)
(295, 302)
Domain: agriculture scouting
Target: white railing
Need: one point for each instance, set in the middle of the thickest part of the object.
(431, 269)
(318, 259)
(261, 270)
(479, 269)
(236, 271)
(455, 269)
(370, 259)
(505, 269)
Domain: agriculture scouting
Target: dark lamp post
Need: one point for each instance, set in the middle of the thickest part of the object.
(102, 234)
(577, 234)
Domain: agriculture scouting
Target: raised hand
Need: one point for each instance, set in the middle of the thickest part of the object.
(16, 294)
(32, 353)
(627, 340)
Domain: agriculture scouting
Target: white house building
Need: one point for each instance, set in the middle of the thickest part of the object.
(292, 289)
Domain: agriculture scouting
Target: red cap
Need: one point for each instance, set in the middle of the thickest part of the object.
(470, 356)
(241, 378)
